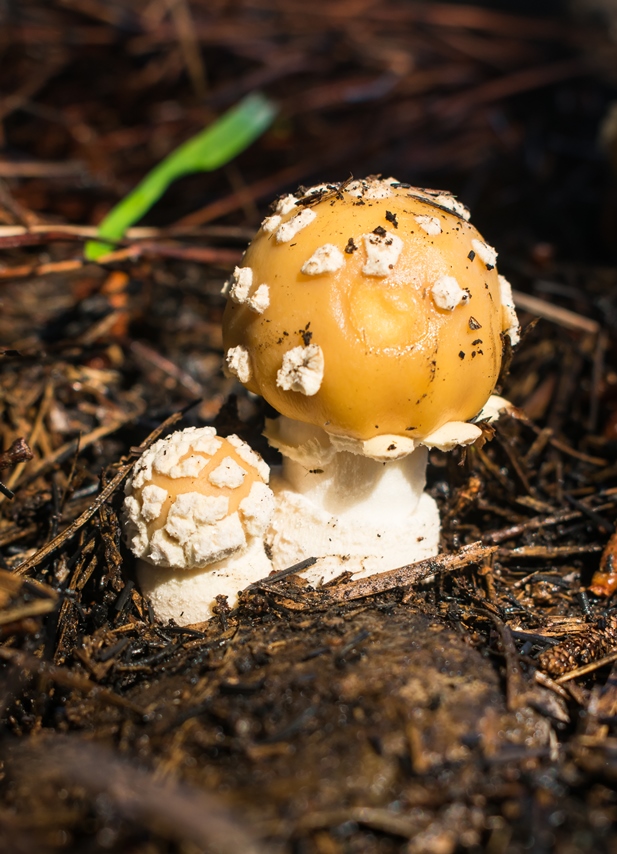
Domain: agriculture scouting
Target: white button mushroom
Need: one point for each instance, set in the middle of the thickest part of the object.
(196, 509)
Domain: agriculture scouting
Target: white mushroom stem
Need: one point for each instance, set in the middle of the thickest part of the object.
(360, 490)
(189, 595)
(356, 513)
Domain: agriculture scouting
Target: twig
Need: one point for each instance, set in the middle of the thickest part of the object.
(81, 442)
(284, 573)
(183, 21)
(26, 270)
(534, 524)
(69, 232)
(37, 608)
(34, 433)
(511, 84)
(555, 313)
(549, 551)
(153, 357)
(402, 577)
(40, 168)
(19, 452)
(587, 668)
(111, 487)
(198, 254)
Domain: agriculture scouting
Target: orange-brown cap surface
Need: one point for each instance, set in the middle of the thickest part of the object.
(367, 309)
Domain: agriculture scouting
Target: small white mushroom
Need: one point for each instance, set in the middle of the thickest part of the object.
(209, 522)
(302, 370)
(327, 259)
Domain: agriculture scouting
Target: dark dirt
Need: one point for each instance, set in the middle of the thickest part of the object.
(464, 705)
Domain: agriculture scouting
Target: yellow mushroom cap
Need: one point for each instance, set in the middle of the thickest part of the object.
(195, 498)
(368, 309)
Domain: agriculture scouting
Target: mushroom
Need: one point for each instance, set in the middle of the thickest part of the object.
(370, 315)
(196, 508)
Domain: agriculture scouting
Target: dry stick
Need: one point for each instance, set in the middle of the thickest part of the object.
(19, 212)
(26, 270)
(555, 313)
(153, 357)
(587, 668)
(531, 525)
(376, 818)
(603, 342)
(578, 455)
(511, 84)
(402, 577)
(412, 574)
(22, 234)
(189, 45)
(463, 17)
(33, 609)
(515, 681)
(264, 187)
(81, 442)
(549, 551)
(545, 435)
(41, 168)
(33, 85)
(14, 237)
(34, 433)
(116, 16)
(6, 492)
(19, 452)
(198, 254)
(13, 533)
(111, 487)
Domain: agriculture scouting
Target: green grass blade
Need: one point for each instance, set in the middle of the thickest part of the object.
(210, 149)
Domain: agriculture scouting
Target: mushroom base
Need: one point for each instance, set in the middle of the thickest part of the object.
(354, 513)
(300, 529)
(188, 595)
